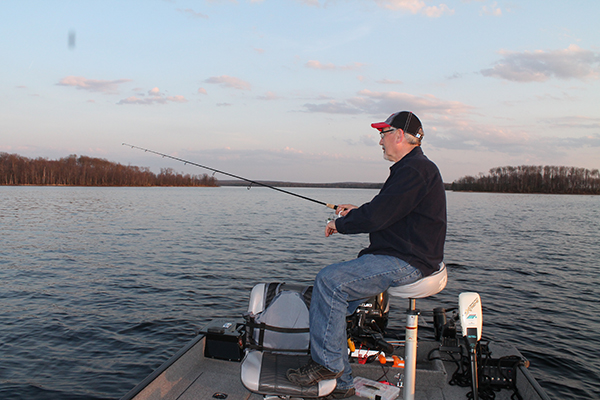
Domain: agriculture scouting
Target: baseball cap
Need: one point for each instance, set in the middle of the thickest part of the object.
(405, 120)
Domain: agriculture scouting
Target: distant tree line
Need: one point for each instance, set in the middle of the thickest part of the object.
(337, 185)
(533, 179)
(88, 171)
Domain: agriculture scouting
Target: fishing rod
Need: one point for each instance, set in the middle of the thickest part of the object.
(332, 206)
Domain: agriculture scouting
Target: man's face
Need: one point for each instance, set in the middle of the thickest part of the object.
(388, 138)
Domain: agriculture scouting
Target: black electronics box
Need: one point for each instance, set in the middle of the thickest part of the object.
(224, 339)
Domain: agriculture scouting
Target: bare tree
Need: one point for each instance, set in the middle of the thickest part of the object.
(533, 179)
(89, 171)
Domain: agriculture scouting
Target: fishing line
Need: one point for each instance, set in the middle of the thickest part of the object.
(332, 206)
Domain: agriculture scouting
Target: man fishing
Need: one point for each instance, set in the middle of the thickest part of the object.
(406, 223)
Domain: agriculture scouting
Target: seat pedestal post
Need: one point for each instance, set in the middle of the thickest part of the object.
(420, 289)
(410, 350)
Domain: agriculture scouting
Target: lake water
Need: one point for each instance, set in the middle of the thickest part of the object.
(99, 286)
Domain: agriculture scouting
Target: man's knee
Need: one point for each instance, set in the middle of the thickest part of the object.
(329, 277)
(322, 280)
(330, 283)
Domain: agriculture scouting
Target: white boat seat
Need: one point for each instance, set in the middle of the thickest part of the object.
(424, 287)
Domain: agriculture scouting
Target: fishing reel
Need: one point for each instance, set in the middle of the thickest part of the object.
(334, 215)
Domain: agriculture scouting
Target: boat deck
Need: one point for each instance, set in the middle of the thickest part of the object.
(189, 375)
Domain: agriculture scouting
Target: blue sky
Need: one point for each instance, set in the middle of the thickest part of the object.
(287, 89)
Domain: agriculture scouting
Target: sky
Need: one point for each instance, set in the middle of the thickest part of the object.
(287, 89)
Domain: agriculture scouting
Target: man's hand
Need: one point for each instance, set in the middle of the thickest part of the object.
(330, 229)
(343, 209)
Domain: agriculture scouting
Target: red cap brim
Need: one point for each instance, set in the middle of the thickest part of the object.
(380, 125)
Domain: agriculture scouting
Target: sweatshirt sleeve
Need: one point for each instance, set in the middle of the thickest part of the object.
(401, 193)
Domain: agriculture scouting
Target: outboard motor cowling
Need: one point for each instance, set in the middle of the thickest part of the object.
(368, 322)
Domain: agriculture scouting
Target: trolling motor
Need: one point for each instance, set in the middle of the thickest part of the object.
(469, 306)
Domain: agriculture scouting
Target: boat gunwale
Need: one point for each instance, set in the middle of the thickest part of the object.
(534, 383)
(162, 368)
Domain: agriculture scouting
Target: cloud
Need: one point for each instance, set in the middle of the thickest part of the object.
(154, 97)
(368, 140)
(177, 99)
(153, 100)
(493, 10)
(92, 85)
(202, 91)
(318, 65)
(415, 7)
(324, 97)
(193, 13)
(573, 122)
(314, 3)
(577, 143)
(371, 102)
(437, 11)
(539, 66)
(590, 140)
(332, 107)
(453, 125)
(136, 100)
(412, 6)
(269, 96)
(455, 75)
(281, 163)
(463, 133)
(389, 82)
(508, 142)
(229, 82)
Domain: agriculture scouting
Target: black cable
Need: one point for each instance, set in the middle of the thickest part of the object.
(385, 371)
(486, 390)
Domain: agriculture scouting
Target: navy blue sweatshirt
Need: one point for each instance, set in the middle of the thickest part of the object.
(407, 219)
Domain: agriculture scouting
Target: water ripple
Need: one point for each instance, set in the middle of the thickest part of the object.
(99, 286)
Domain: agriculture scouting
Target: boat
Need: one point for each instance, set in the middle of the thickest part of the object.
(210, 366)
(190, 375)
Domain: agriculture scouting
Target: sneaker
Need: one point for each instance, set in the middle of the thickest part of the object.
(310, 374)
(340, 394)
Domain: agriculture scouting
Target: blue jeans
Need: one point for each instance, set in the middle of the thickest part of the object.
(338, 290)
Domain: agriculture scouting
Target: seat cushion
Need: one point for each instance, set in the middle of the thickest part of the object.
(265, 373)
(424, 287)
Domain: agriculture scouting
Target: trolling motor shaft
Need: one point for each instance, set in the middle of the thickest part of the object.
(472, 343)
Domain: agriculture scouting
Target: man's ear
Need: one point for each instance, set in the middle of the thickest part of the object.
(400, 137)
